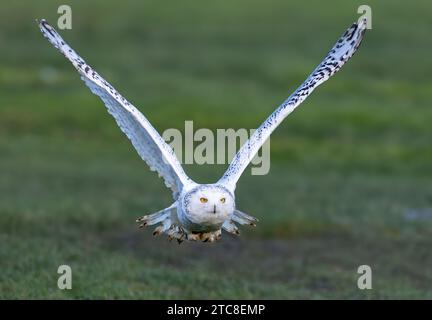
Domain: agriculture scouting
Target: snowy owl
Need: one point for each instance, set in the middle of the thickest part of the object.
(200, 211)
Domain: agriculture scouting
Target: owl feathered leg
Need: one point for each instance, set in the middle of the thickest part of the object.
(168, 223)
(211, 236)
(240, 218)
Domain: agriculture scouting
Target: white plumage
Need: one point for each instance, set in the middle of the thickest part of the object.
(200, 211)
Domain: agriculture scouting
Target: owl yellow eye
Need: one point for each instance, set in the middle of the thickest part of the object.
(222, 200)
(203, 200)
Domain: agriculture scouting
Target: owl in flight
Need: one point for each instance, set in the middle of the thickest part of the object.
(200, 211)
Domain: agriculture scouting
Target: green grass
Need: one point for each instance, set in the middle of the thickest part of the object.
(348, 168)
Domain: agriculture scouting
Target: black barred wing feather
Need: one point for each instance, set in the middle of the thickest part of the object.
(144, 137)
(342, 51)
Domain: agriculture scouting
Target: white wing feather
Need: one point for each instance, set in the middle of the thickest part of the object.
(148, 143)
(342, 51)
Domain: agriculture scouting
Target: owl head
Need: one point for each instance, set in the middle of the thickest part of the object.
(208, 204)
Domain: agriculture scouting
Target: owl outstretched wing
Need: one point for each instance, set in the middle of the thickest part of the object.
(148, 143)
(341, 52)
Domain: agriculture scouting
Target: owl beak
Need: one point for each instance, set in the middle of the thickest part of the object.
(214, 208)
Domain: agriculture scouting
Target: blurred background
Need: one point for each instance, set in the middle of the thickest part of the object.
(350, 177)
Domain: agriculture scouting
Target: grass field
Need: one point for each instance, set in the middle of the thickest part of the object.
(351, 169)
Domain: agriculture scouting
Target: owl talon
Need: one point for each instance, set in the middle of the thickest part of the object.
(210, 236)
(157, 231)
(193, 236)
